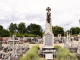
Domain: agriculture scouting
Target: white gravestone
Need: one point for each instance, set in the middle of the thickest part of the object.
(68, 35)
(68, 43)
(59, 36)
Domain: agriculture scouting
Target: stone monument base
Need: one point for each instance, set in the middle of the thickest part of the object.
(48, 48)
(50, 52)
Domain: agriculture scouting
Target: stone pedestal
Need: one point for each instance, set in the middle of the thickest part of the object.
(48, 41)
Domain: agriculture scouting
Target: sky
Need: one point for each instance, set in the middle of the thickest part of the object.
(64, 13)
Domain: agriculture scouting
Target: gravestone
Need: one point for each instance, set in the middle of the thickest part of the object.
(59, 36)
(68, 42)
(68, 35)
(12, 43)
(78, 50)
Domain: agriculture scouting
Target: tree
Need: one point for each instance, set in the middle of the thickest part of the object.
(22, 28)
(75, 30)
(34, 29)
(13, 28)
(1, 27)
(58, 30)
(5, 33)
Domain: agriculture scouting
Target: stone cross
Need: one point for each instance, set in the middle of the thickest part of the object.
(48, 8)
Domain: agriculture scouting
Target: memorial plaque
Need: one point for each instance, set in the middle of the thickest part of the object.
(48, 39)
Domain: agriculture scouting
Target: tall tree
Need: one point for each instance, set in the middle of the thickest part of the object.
(34, 29)
(75, 30)
(1, 27)
(21, 27)
(13, 28)
(58, 30)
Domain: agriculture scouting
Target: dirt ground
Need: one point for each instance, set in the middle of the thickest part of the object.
(41, 45)
(61, 44)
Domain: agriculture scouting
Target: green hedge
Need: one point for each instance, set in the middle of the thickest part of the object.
(57, 47)
(26, 35)
(64, 53)
(19, 35)
(31, 54)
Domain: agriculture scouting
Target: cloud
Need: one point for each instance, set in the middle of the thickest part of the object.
(65, 13)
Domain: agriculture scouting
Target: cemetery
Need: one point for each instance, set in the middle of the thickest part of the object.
(13, 50)
(47, 47)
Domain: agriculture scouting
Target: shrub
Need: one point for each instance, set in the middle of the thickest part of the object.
(35, 50)
(22, 58)
(57, 47)
(26, 35)
(63, 50)
(38, 36)
(36, 46)
(32, 54)
(64, 53)
(73, 55)
(19, 35)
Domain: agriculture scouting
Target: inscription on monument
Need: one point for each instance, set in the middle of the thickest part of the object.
(48, 38)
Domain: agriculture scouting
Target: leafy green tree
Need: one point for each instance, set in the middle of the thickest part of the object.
(5, 33)
(22, 28)
(58, 30)
(75, 30)
(13, 27)
(1, 27)
(34, 29)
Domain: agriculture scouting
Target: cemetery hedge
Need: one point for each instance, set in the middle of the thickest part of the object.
(63, 53)
(57, 47)
(31, 54)
(26, 35)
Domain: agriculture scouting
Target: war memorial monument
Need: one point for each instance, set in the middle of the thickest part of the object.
(48, 50)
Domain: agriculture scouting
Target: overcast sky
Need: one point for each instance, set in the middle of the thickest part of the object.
(64, 13)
